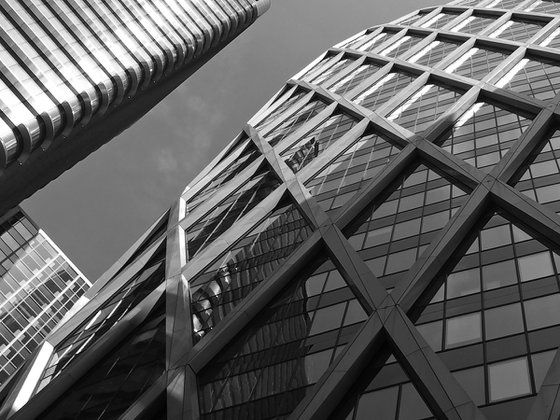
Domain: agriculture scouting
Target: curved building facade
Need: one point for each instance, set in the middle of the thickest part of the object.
(381, 241)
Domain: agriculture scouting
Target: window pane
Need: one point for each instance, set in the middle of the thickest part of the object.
(503, 321)
(472, 381)
(541, 364)
(383, 403)
(535, 266)
(542, 312)
(463, 283)
(498, 275)
(432, 333)
(508, 379)
(463, 329)
(412, 406)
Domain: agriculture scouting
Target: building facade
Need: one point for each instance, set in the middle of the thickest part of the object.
(381, 240)
(75, 74)
(39, 285)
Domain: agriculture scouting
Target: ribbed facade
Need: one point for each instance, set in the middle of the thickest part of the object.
(39, 285)
(381, 241)
(75, 73)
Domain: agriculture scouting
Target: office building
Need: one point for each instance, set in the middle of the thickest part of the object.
(39, 285)
(380, 241)
(75, 74)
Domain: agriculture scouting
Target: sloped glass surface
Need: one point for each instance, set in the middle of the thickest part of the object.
(269, 367)
(538, 79)
(516, 30)
(305, 150)
(496, 313)
(477, 63)
(285, 106)
(248, 156)
(402, 46)
(422, 108)
(256, 257)
(483, 135)
(541, 180)
(434, 53)
(545, 6)
(383, 90)
(349, 82)
(295, 121)
(362, 161)
(388, 394)
(239, 203)
(473, 24)
(391, 236)
(109, 313)
(440, 20)
(118, 379)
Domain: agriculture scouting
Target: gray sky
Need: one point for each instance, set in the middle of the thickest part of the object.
(96, 210)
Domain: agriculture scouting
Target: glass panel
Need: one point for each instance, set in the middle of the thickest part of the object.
(424, 107)
(509, 379)
(434, 53)
(383, 90)
(517, 30)
(349, 82)
(463, 330)
(270, 366)
(534, 78)
(477, 63)
(502, 321)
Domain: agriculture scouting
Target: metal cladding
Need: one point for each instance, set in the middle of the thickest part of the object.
(72, 67)
(381, 239)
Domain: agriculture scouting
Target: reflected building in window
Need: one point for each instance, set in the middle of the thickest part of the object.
(383, 237)
(75, 74)
(39, 286)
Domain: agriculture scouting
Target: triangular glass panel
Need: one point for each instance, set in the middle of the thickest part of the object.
(541, 180)
(285, 106)
(120, 377)
(231, 209)
(477, 63)
(383, 90)
(425, 106)
(440, 20)
(305, 150)
(434, 53)
(392, 235)
(533, 78)
(384, 392)
(483, 135)
(552, 40)
(496, 315)
(295, 121)
(248, 156)
(517, 30)
(254, 258)
(357, 165)
(354, 79)
(273, 363)
(402, 46)
(111, 311)
(545, 6)
(473, 25)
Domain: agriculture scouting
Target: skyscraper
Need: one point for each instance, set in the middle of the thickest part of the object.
(39, 285)
(75, 74)
(381, 239)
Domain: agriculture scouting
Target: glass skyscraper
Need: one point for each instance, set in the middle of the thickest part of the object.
(381, 241)
(73, 74)
(38, 286)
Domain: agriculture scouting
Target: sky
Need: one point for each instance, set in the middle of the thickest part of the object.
(97, 210)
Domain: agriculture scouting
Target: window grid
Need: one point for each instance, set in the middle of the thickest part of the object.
(402, 46)
(484, 134)
(383, 90)
(518, 31)
(291, 343)
(419, 111)
(437, 52)
(473, 25)
(354, 79)
(479, 64)
(338, 182)
(534, 78)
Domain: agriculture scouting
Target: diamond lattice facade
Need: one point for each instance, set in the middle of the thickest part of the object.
(39, 286)
(75, 74)
(382, 239)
